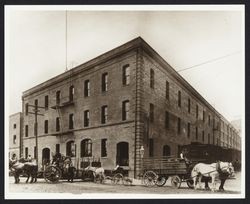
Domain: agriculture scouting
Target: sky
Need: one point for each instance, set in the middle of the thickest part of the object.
(212, 39)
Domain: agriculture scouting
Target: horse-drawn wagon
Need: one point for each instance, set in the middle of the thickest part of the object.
(156, 171)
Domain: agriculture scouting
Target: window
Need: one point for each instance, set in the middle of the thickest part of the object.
(71, 121)
(203, 117)
(188, 130)
(197, 111)
(167, 119)
(86, 88)
(196, 133)
(86, 118)
(189, 105)
(104, 148)
(104, 116)
(209, 120)
(105, 82)
(166, 150)
(125, 110)
(26, 109)
(14, 126)
(26, 130)
(36, 102)
(203, 136)
(57, 124)
(167, 90)
(86, 148)
(151, 112)
(26, 152)
(46, 102)
(34, 152)
(46, 126)
(179, 98)
(152, 78)
(57, 148)
(14, 139)
(70, 149)
(71, 93)
(208, 138)
(126, 74)
(179, 126)
(58, 97)
(151, 147)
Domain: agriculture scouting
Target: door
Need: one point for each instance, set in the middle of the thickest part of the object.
(46, 156)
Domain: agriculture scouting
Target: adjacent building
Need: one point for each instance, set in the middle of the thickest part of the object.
(15, 134)
(110, 107)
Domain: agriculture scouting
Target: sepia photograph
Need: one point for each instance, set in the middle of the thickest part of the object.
(118, 102)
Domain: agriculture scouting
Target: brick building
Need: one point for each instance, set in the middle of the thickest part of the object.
(15, 133)
(108, 107)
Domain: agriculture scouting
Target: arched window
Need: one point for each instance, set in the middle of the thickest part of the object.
(70, 149)
(166, 150)
(86, 148)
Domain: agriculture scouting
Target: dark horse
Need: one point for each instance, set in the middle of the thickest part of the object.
(23, 167)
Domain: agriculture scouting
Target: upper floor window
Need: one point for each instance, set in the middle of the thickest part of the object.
(57, 124)
(152, 78)
(203, 137)
(125, 110)
(188, 130)
(197, 111)
(14, 126)
(46, 126)
(105, 82)
(179, 125)
(179, 98)
(209, 120)
(46, 102)
(189, 105)
(26, 109)
(71, 93)
(203, 117)
(86, 118)
(104, 148)
(58, 97)
(167, 119)
(71, 121)
(87, 88)
(14, 139)
(104, 114)
(126, 74)
(36, 102)
(167, 90)
(151, 112)
(26, 130)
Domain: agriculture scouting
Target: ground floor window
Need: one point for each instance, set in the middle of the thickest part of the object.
(104, 148)
(70, 149)
(166, 150)
(46, 156)
(122, 154)
(86, 148)
(26, 152)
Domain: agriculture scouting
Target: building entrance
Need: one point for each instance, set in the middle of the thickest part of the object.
(122, 156)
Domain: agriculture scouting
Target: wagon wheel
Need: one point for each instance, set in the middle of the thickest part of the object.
(52, 174)
(150, 178)
(176, 181)
(117, 179)
(190, 183)
(161, 180)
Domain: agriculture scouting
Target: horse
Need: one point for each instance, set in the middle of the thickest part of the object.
(98, 172)
(28, 168)
(219, 170)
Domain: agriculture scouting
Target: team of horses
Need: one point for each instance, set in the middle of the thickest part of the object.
(219, 170)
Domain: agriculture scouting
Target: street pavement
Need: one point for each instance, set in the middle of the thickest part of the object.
(232, 186)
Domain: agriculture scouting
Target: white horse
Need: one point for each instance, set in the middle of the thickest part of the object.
(98, 172)
(219, 170)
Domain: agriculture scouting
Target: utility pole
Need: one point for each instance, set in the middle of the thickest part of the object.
(36, 110)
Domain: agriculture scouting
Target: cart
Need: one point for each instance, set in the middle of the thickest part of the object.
(156, 171)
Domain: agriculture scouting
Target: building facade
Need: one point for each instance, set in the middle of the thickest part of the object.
(110, 107)
(15, 134)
